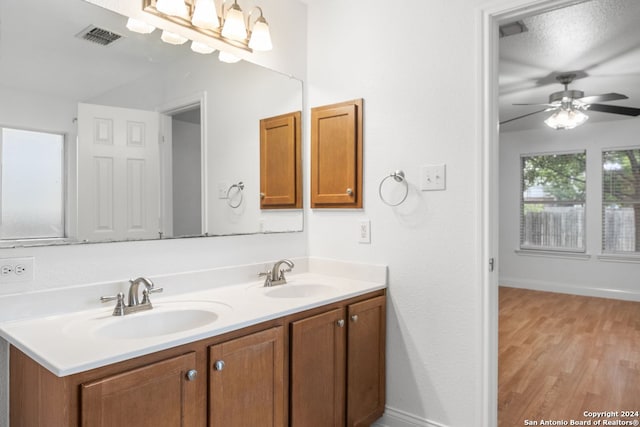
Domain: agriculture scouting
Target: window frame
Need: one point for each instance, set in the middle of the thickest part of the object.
(64, 180)
(550, 250)
(623, 256)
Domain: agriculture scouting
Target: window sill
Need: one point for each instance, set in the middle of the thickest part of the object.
(553, 254)
(632, 258)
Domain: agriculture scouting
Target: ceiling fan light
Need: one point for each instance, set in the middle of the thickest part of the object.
(173, 38)
(138, 26)
(566, 119)
(205, 15)
(201, 48)
(233, 27)
(260, 36)
(227, 57)
(173, 8)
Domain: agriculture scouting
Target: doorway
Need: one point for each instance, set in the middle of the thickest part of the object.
(493, 19)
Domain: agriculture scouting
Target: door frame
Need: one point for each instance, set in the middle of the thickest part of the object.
(490, 19)
(179, 105)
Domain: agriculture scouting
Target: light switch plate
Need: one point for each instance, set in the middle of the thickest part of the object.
(433, 177)
(364, 231)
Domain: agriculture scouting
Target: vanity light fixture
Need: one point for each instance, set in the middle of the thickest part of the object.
(225, 23)
(138, 26)
(260, 37)
(173, 38)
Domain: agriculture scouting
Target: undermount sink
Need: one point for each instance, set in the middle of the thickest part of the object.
(151, 324)
(165, 318)
(300, 291)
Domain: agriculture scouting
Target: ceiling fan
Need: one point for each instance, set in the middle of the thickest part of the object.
(569, 106)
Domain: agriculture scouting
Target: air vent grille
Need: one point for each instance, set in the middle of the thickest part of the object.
(512, 28)
(98, 35)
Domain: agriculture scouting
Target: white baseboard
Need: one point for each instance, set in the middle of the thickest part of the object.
(396, 418)
(563, 288)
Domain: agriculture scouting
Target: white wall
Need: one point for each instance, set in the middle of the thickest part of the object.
(416, 65)
(591, 276)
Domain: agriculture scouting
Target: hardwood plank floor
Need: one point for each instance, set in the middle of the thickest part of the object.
(561, 355)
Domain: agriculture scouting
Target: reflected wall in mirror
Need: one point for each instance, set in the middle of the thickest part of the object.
(157, 137)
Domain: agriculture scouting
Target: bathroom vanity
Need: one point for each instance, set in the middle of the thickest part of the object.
(307, 353)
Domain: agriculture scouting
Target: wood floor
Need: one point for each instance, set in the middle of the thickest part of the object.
(561, 355)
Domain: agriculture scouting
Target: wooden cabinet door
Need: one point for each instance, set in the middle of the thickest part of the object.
(318, 370)
(336, 155)
(246, 385)
(156, 395)
(366, 362)
(280, 162)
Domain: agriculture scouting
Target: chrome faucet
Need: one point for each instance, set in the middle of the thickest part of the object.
(134, 304)
(275, 275)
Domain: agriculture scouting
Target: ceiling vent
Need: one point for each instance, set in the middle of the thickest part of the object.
(98, 35)
(512, 28)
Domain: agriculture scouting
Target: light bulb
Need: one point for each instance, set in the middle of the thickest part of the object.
(138, 26)
(233, 27)
(205, 15)
(227, 57)
(260, 36)
(201, 48)
(173, 38)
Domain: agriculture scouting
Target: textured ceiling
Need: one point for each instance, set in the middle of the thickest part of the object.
(600, 39)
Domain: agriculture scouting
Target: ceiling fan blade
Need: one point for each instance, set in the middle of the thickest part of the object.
(603, 98)
(524, 115)
(615, 109)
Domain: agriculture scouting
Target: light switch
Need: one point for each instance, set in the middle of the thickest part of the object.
(364, 231)
(433, 177)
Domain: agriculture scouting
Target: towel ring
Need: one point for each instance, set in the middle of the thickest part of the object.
(398, 176)
(239, 187)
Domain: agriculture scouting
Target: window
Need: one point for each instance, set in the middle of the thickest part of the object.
(621, 201)
(552, 208)
(31, 185)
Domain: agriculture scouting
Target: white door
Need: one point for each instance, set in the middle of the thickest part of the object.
(118, 173)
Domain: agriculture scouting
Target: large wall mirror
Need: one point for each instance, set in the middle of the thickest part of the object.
(158, 141)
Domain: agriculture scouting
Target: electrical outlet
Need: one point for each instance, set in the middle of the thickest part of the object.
(364, 231)
(433, 177)
(14, 270)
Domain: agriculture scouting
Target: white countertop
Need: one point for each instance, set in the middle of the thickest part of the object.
(68, 343)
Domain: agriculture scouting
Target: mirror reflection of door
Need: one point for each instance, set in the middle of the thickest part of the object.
(118, 170)
(186, 171)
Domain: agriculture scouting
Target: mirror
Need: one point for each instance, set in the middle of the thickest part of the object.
(205, 164)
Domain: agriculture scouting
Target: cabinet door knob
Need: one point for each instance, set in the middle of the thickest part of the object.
(262, 195)
(354, 318)
(219, 365)
(349, 192)
(192, 374)
(340, 323)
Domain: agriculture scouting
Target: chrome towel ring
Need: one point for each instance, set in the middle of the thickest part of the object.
(398, 176)
(231, 196)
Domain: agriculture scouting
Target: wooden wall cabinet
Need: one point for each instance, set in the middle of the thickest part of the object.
(336, 155)
(332, 358)
(281, 162)
(341, 349)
